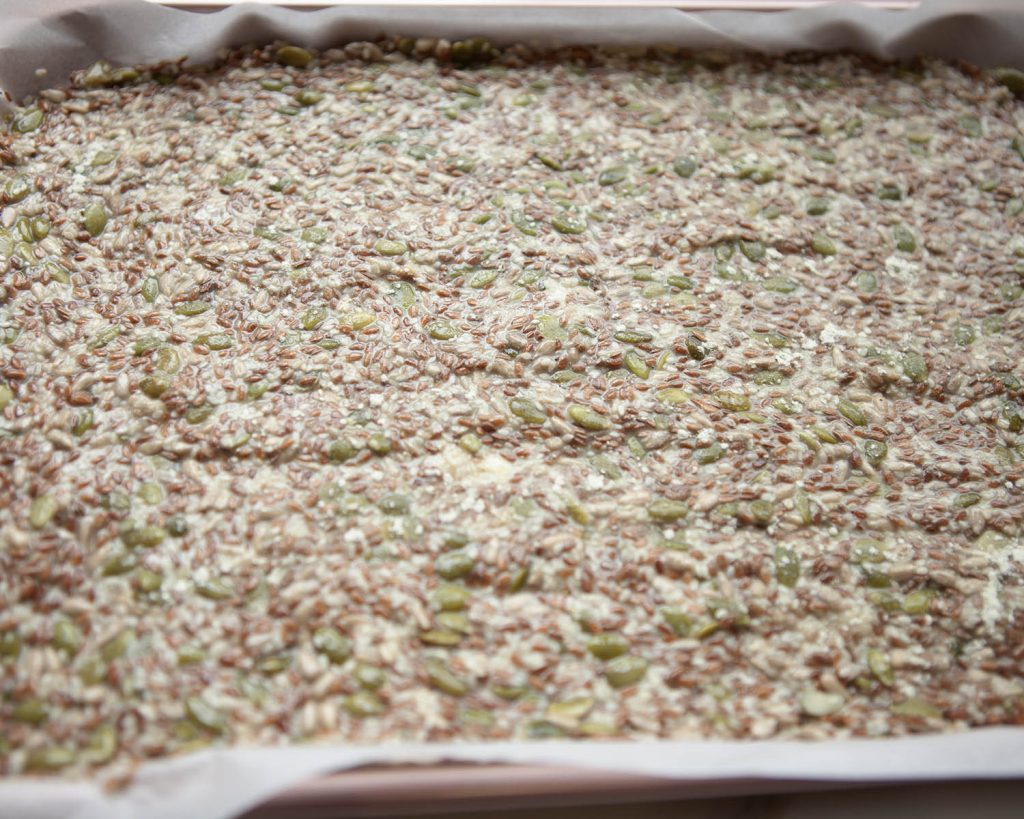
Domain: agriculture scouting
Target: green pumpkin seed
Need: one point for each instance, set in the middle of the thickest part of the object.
(151, 493)
(634, 336)
(104, 337)
(394, 504)
(215, 341)
(613, 175)
(1011, 78)
(442, 330)
(190, 655)
(780, 284)
(389, 247)
(191, 308)
(665, 510)
(167, 360)
(196, 415)
(915, 707)
(368, 677)
(786, 405)
(684, 167)
(817, 206)
(147, 344)
(443, 679)
(550, 328)
(759, 174)
(205, 716)
(635, 363)
(403, 294)
(307, 96)
(866, 550)
(787, 566)
(40, 228)
(509, 692)
(453, 565)
(31, 711)
(823, 245)
(762, 512)
(673, 395)
(17, 188)
(753, 250)
(450, 598)
(588, 419)
(964, 335)
(117, 646)
(342, 450)
(121, 563)
(543, 729)
(875, 451)
(176, 526)
(149, 581)
(356, 320)
(470, 443)
(709, 454)
(967, 499)
(625, 671)
(95, 218)
(93, 671)
(50, 758)
(569, 712)
(904, 238)
(273, 665)
(918, 602)
(732, 401)
(550, 162)
(852, 413)
(679, 621)
(440, 637)
(215, 588)
(101, 745)
(28, 121)
(482, 278)
(518, 580)
(568, 225)
(364, 704)
(10, 644)
(379, 444)
(681, 282)
(879, 664)
(914, 367)
(523, 223)
(153, 386)
(697, 348)
(313, 318)
(293, 56)
(143, 537)
(865, 281)
(527, 410)
(67, 637)
(314, 235)
(607, 646)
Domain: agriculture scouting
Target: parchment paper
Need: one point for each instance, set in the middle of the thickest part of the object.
(42, 40)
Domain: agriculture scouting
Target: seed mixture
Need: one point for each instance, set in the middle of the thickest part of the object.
(420, 391)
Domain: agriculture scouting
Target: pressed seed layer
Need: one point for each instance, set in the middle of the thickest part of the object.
(364, 398)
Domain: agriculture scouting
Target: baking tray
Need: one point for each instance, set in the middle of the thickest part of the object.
(510, 775)
(454, 788)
